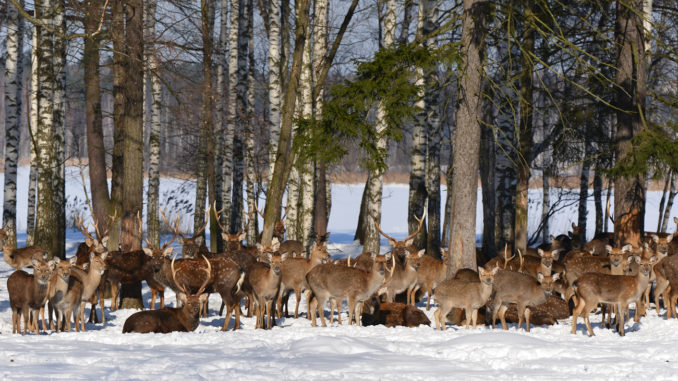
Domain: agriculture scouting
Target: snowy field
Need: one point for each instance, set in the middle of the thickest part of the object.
(295, 350)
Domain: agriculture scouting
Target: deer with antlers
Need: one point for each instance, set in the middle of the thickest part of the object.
(165, 320)
(404, 274)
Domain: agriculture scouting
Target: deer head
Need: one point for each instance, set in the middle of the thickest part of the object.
(400, 247)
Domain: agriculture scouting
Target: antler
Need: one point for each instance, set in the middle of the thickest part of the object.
(208, 270)
(174, 275)
(101, 235)
(79, 224)
(216, 215)
(421, 225)
(141, 232)
(506, 258)
(382, 232)
(207, 219)
(174, 230)
(257, 208)
(520, 269)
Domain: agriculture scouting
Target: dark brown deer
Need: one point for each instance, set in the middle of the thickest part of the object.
(28, 293)
(191, 246)
(404, 275)
(392, 314)
(165, 320)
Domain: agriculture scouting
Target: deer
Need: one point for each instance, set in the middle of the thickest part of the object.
(193, 245)
(294, 272)
(470, 296)
(59, 299)
(28, 293)
(506, 262)
(264, 280)
(576, 267)
(521, 289)
(404, 275)
(90, 276)
(430, 271)
(392, 314)
(22, 257)
(331, 281)
(620, 290)
(169, 319)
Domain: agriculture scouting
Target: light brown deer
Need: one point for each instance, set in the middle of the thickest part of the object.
(521, 289)
(430, 272)
(90, 277)
(332, 281)
(576, 267)
(470, 296)
(293, 275)
(28, 293)
(404, 274)
(165, 320)
(594, 288)
(60, 302)
(264, 280)
(21, 257)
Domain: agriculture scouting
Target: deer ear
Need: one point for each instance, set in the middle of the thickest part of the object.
(409, 242)
(242, 236)
(276, 245)
(148, 251)
(481, 269)
(574, 226)
(540, 277)
(203, 297)
(35, 262)
(85, 266)
(283, 256)
(626, 248)
(374, 256)
(551, 237)
(104, 255)
(421, 253)
(224, 236)
(91, 256)
(556, 276)
(540, 252)
(199, 240)
(269, 256)
(104, 240)
(181, 298)
(655, 238)
(555, 254)
(608, 248)
(669, 238)
(168, 251)
(89, 242)
(274, 240)
(392, 242)
(180, 240)
(260, 247)
(73, 261)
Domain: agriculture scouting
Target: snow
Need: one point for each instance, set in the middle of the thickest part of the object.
(295, 350)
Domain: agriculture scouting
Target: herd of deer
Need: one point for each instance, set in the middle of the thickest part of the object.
(536, 287)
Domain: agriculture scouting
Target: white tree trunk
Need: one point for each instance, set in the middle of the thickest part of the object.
(153, 124)
(375, 183)
(252, 228)
(33, 177)
(306, 189)
(220, 101)
(274, 83)
(59, 180)
(13, 87)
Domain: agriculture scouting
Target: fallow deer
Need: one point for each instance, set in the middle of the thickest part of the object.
(264, 279)
(91, 278)
(392, 314)
(294, 272)
(470, 296)
(331, 281)
(430, 272)
(28, 293)
(521, 289)
(404, 275)
(594, 288)
(165, 320)
(59, 299)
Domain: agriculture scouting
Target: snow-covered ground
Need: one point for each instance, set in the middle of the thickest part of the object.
(295, 350)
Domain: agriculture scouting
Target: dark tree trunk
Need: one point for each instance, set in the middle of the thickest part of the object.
(630, 92)
(487, 166)
(598, 200)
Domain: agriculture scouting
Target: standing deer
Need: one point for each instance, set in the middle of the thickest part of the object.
(294, 272)
(620, 290)
(91, 278)
(21, 257)
(468, 295)
(332, 281)
(165, 320)
(404, 275)
(264, 280)
(28, 293)
(59, 299)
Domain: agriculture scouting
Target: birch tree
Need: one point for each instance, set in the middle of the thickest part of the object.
(13, 83)
(239, 94)
(274, 82)
(375, 179)
(252, 219)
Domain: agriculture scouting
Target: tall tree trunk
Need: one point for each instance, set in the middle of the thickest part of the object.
(250, 165)
(584, 184)
(407, 19)
(220, 106)
(274, 83)
(119, 80)
(285, 155)
(432, 94)
(96, 152)
(630, 92)
(60, 126)
(417, 196)
(362, 215)
(241, 114)
(598, 200)
(132, 179)
(669, 203)
(663, 211)
(467, 141)
(46, 236)
(231, 115)
(152, 74)
(546, 204)
(487, 177)
(525, 138)
(375, 182)
(449, 175)
(33, 125)
(13, 83)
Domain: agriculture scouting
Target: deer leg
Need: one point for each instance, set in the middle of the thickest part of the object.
(620, 327)
(271, 313)
(521, 314)
(229, 311)
(351, 309)
(114, 296)
(429, 293)
(502, 317)
(42, 317)
(672, 305)
(640, 309)
(467, 314)
(528, 312)
(321, 308)
(81, 318)
(659, 289)
(153, 295)
(312, 309)
(495, 312)
(50, 309)
(26, 315)
(474, 316)
(297, 295)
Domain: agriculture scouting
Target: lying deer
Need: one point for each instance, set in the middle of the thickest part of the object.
(463, 294)
(165, 320)
(28, 293)
(392, 314)
(332, 281)
(620, 290)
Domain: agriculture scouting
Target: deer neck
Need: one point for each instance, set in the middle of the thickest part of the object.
(485, 290)
(374, 281)
(546, 270)
(40, 291)
(58, 287)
